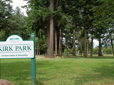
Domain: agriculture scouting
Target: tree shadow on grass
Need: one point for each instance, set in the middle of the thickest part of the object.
(102, 75)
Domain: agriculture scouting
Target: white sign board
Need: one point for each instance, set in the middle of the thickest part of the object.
(16, 47)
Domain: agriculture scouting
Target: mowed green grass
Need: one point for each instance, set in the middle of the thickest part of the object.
(60, 71)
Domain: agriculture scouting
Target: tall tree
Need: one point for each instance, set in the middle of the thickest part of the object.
(56, 42)
(101, 30)
(38, 20)
(73, 51)
(88, 18)
(18, 21)
(106, 13)
(5, 18)
(60, 42)
(51, 46)
(73, 9)
(91, 51)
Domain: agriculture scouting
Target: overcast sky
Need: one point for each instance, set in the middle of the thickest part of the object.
(96, 43)
(20, 3)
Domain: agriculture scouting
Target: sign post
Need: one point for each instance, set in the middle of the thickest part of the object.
(0, 68)
(33, 71)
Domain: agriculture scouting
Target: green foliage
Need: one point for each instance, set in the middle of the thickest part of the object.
(65, 51)
(17, 24)
(5, 16)
(36, 43)
(38, 14)
(105, 9)
(104, 50)
(95, 50)
(40, 41)
(61, 18)
(89, 14)
(107, 50)
(37, 21)
(2, 34)
(70, 51)
(11, 22)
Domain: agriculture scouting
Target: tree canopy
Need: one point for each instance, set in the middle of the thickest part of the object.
(60, 25)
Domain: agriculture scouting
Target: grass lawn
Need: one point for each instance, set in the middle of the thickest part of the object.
(60, 71)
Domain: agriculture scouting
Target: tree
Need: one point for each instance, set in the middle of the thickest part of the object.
(106, 8)
(108, 39)
(102, 25)
(50, 54)
(61, 20)
(40, 16)
(87, 17)
(59, 17)
(73, 51)
(73, 9)
(105, 11)
(5, 16)
(38, 21)
(18, 21)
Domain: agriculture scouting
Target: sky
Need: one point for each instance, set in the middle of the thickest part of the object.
(20, 3)
(96, 43)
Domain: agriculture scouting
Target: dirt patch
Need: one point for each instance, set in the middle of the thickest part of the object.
(5, 82)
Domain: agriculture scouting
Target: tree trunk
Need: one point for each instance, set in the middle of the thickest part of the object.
(66, 43)
(48, 39)
(38, 48)
(67, 50)
(85, 48)
(112, 47)
(55, 41)
(60, 43)
(51, 41)
(91, 54)
(100, 48)
(35, 51)
(48, 36)
(51, 30)
(73, 51)
(81, 52)
(87, 43)
(38, 51)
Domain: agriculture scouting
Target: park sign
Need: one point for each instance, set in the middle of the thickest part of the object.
(16, 47)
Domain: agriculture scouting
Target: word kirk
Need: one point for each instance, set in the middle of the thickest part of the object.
(15, 48)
